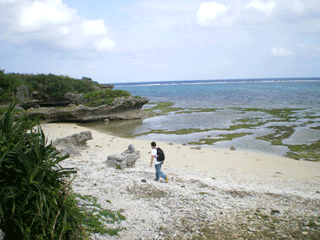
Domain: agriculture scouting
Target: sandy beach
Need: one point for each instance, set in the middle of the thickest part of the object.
(211, 192)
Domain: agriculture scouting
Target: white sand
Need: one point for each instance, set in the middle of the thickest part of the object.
(213, 171)
(184, 157)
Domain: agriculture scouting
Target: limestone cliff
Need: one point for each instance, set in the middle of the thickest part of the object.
(122, 108)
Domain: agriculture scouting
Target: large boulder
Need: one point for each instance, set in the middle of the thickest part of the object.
(127, 159)
(73, 144)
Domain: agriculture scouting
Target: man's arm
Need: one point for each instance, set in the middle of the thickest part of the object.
(152, 157)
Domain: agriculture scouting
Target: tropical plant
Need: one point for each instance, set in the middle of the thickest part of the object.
(97, 98)
(49, 87)
(35, 199)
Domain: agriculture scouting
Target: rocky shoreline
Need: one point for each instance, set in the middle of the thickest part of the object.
(122, 109)
(217, 203)
(200, 205)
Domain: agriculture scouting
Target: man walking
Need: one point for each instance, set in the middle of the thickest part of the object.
(157, 164)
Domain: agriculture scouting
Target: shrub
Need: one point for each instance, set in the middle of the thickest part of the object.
(35, 199)
(49, 87)
(97, 98)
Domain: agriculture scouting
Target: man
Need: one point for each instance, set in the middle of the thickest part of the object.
(157, 164)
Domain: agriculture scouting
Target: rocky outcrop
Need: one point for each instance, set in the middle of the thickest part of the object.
(73, 144)
(23, 93)
(127, 159)
(122, 108)
(75, 98)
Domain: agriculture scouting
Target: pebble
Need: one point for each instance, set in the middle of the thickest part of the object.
(183, 213)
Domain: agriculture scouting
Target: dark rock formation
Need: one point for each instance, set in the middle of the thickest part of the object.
(73, 144)
(71, 108)
(123, 108)
(127, 159)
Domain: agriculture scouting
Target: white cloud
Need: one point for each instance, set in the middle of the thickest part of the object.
(210, 11)
(298, 6)
(104, 44)
(52, 23)
(38, 15)
(94, 27)
(266, 8)
(279, 51)
(7, 1)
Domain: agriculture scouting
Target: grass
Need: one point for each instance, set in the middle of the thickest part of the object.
(95, 217)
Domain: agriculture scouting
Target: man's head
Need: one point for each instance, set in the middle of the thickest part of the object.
(153, 144)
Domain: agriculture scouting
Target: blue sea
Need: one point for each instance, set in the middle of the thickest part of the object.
(231, 100)
(267, 93)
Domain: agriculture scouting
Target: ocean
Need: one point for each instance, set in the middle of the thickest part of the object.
(225, 113)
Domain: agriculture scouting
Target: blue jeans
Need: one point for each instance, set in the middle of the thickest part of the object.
(158, 172)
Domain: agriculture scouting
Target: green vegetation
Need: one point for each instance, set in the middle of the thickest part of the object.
(47, 87)
(178, 132)
(286, 114)
(96, 218)
(35, 195)
(306, 152)
(282, 132)
(221, 137)
(309, 152)
(52, 88)
(36, 201)
(163, 108)
(97, 98)
(247, 123)
(166, 107)
(203, 193)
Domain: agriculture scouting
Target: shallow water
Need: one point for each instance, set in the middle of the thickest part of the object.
(304, 95)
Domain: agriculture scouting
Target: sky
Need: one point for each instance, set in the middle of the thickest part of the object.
(161, 40)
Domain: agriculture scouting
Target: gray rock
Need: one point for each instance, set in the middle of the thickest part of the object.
(31, 104)
(127, 159)
(73, 144)
(123, 109)
(196, 148)
(23, 93)
(75, 98)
